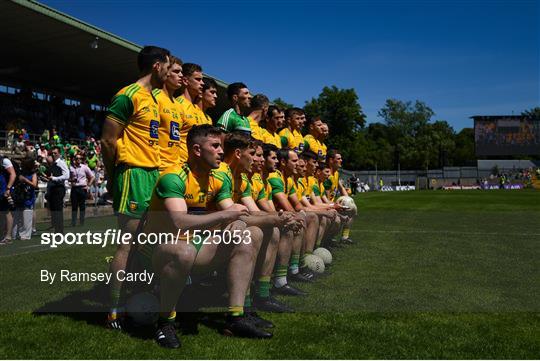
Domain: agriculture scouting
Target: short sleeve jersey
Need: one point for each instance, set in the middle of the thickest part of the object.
(256, 131)
(313, 186)
(170, 114)
(137, 110)
(191, 116)
(231, 120)
(270, 138)
(331, 184)
(319, 148)
(239, 190)
(292, 139)
(201, 193)
(279, 185)
(301, 187)
(258, 190)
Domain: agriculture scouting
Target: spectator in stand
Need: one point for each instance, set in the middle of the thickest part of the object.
(25, 135)
(19, 147)
(7, 179)
(57, 190)
(45, 136)
(24, 196)
(81, 178)
(92, 160)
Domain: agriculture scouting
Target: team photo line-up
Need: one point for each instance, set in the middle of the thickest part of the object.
(251, 174)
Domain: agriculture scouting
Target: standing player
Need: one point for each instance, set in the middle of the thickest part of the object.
(235, 118)
(291, 136)
(257, 114)
(274, 121)
(171, 116)
(313, 140)
(131, 154)
(208, 98)
(192, 115)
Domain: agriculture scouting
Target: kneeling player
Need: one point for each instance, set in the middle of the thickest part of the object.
(179, 203)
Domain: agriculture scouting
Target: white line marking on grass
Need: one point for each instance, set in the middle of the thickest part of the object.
(449, 232)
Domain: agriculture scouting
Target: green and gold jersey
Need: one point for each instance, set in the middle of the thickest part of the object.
(317, 147)
(191, 115)
(170, 114)
(331, 184)
(272, 138)
(256, 131)
(258, 188)
(137, 110)
(201, 193)
(292, 139)
(231, 120)
(280, 185)
(313, 186)
(239, 189)
(302, 189)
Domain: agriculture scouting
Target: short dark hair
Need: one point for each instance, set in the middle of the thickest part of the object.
(271, 109)
(259, 101)
(149, 55)
(267, 148)
(236, 140)
(57, 148)
(283, 154)
(175, 60)
(202, 131)
(322, 165)
(234, 89)
(209, 83)
(314, 119)
(257, 143)
(308, 154)
(332, 153)
(190, 68)
(290, 112)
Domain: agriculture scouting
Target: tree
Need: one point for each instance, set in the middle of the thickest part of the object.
(533, 113)
(282, 103)
(340, 109)
(465, 153)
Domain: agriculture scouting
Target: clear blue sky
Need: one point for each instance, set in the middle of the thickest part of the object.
(461, 57)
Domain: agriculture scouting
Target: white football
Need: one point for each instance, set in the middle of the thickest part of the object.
(143, 308)
(323, 254)
(348, 202)
(314, 263)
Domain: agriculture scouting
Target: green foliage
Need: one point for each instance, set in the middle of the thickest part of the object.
(340, 109)
(533, 113)
(282, 103)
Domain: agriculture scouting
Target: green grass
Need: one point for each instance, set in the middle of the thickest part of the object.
(452, 275)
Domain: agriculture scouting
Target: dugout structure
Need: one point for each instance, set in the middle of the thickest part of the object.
(51, 52)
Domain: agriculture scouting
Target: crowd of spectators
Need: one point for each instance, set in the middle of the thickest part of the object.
(36, 112)
(33, 164)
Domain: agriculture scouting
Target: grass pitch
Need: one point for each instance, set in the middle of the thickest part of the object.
(432, 275)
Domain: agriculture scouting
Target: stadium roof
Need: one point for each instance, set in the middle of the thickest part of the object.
(50, 51)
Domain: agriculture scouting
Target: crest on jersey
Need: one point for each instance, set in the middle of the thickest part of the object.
(154, 126)
(174, 133)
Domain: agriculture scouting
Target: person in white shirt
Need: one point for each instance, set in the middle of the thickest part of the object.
(56, 189)
(7, 179)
